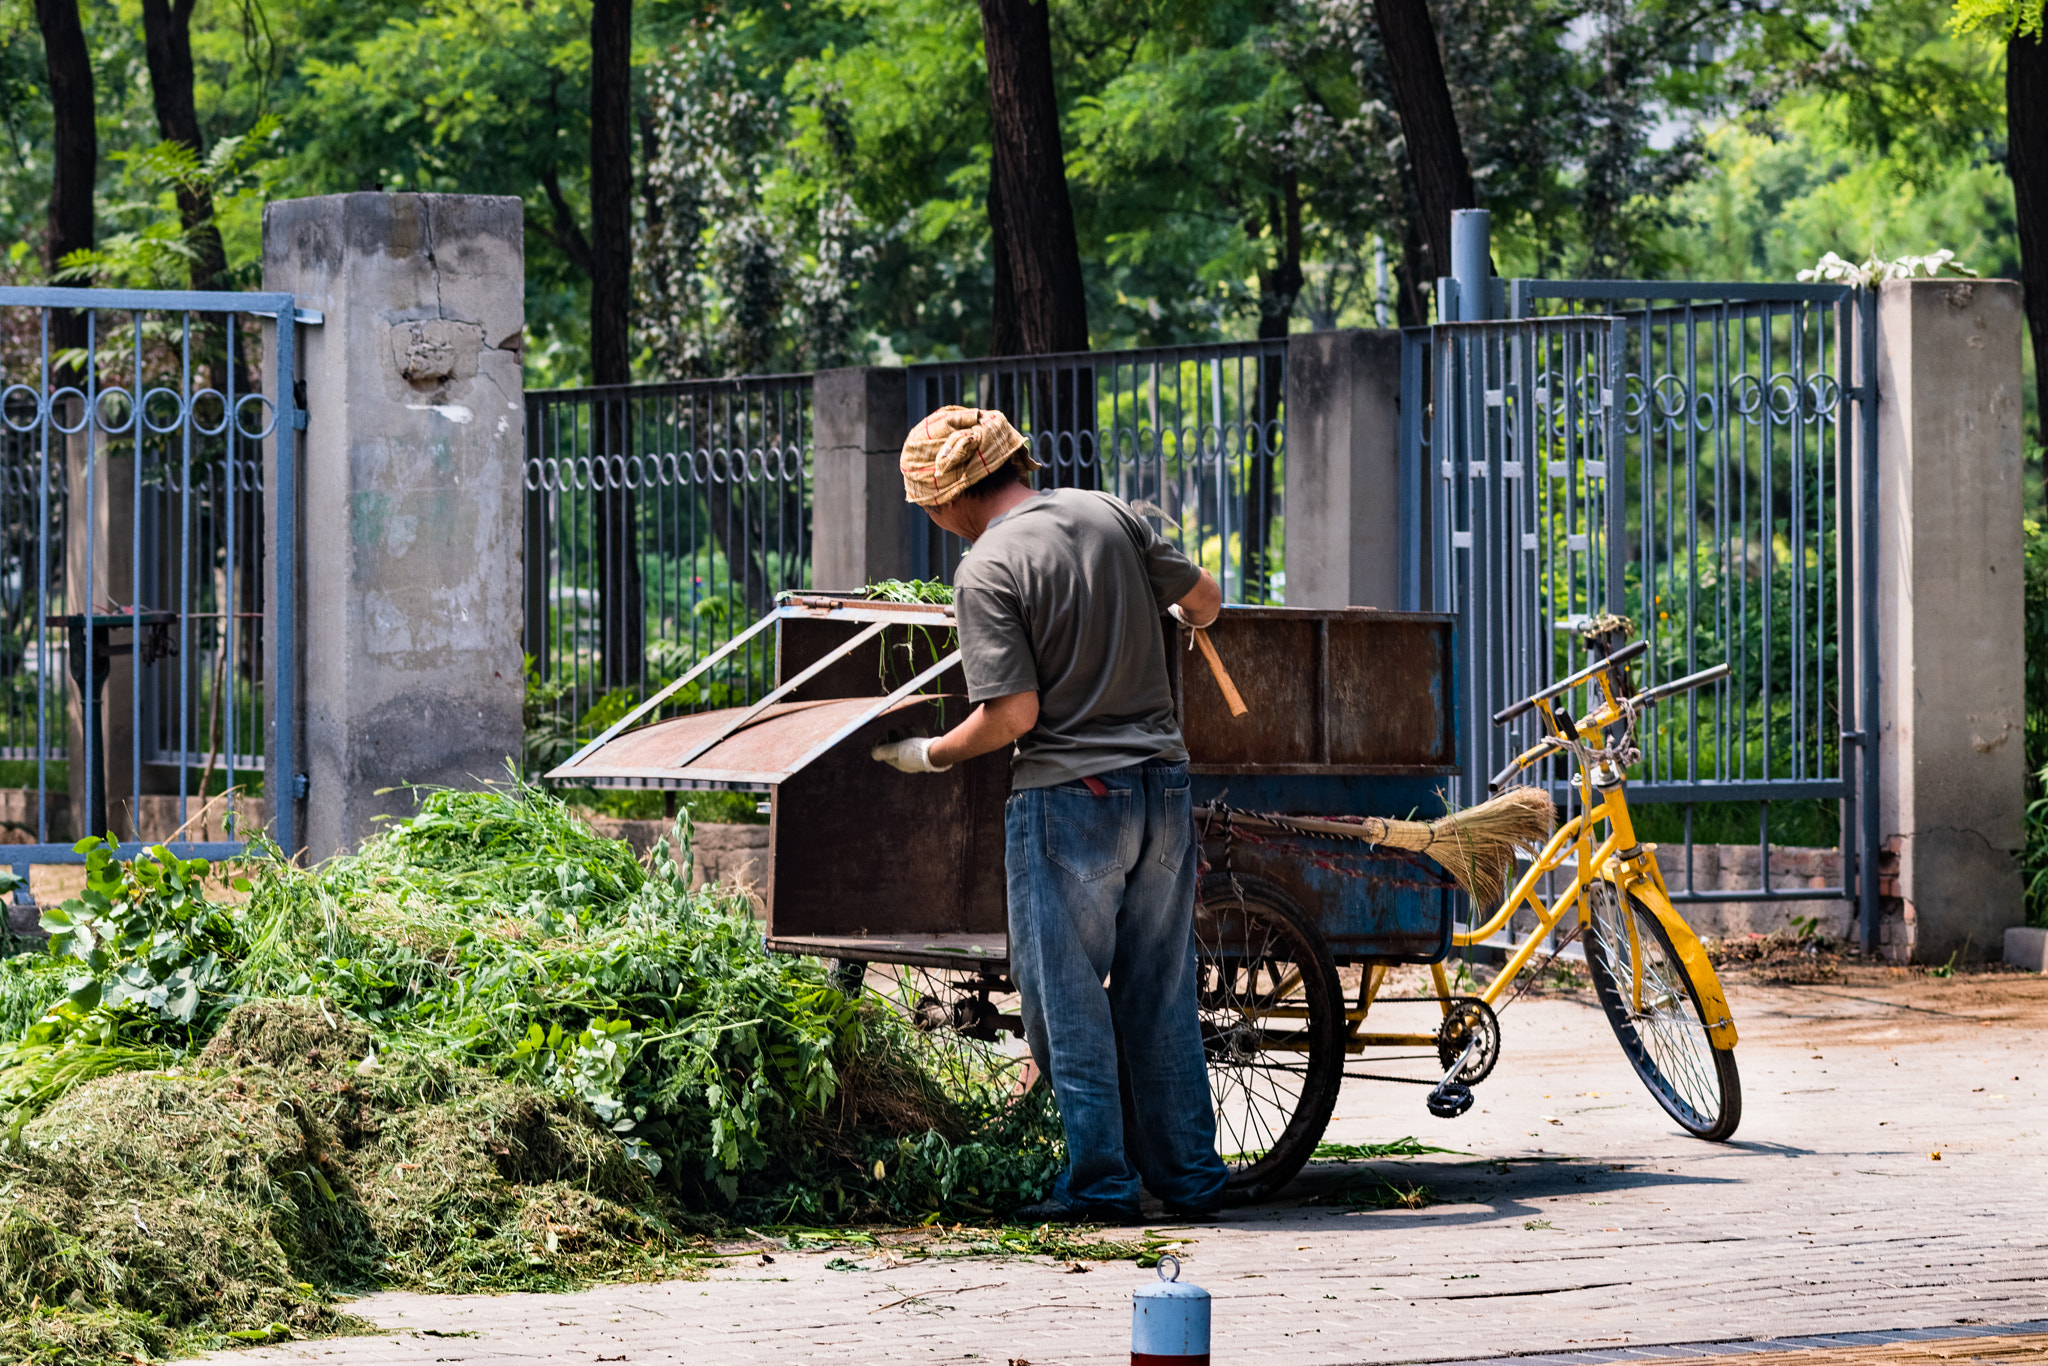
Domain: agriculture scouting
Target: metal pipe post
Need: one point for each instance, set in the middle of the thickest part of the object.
(1472, 263)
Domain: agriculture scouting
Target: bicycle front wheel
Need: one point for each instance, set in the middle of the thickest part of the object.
(1652, 1002)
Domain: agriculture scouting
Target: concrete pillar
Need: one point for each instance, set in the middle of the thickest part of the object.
(1951, 599)
(98, 570)
(1344, 523)
(412, 495)
(861, 528)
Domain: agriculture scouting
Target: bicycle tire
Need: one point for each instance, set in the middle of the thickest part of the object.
(1696, 1083)
(1272, 1102)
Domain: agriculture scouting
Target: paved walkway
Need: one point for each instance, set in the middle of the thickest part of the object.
(1584, 1222)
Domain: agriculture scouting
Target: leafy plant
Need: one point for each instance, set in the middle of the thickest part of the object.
(1875, 269)
(144, 933)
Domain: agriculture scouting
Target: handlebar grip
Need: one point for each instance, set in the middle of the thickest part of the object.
(1542, 749)
(1679, 685)
(1509, 713)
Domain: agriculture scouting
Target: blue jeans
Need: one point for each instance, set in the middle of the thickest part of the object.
(1102, 888)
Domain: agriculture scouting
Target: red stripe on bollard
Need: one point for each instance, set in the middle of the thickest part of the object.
(1149, 1359)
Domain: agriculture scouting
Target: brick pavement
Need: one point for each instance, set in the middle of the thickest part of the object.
(1583, 1222)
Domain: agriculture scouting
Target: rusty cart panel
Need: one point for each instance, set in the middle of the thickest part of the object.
(1349, 712)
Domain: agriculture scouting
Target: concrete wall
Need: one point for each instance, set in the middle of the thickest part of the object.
(730, 855)
(861, 527)
(1343, 469)
(1738, 867)
(411, 642)
(1950, 615)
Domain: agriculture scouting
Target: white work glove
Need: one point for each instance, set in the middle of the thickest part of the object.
(909, 756)
(1183, 618)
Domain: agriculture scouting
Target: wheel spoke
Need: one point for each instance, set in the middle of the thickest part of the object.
(1648, 996)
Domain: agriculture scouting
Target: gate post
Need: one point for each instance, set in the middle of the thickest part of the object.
(1345, 499)
(1950, 613)
(411, 498)
(861, 529)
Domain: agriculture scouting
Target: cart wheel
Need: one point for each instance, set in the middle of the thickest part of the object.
(1666, 1041)
(965, 1027)
(1273, 1029)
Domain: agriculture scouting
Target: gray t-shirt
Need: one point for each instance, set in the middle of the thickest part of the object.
(1062, 595)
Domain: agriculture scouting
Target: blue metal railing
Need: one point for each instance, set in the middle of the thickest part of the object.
(1193, 436)
(1727, 510)
(661, 520)
(148, 513)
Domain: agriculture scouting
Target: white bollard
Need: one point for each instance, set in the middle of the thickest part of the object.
(1170, 1321)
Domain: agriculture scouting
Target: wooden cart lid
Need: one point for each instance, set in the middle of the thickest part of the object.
(769, 748)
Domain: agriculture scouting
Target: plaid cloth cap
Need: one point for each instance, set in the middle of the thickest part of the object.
(954, 448)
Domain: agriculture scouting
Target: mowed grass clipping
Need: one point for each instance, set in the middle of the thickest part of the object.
(491, 1050)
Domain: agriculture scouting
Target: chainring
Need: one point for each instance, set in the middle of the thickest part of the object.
(1470, 1021)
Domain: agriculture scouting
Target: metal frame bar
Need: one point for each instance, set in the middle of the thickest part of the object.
(734, 725)
(1764, 381)
(286, 419)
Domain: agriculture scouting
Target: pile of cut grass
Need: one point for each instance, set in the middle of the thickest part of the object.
(490, 1051)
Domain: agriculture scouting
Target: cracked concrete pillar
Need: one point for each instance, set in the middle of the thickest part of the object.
(861, 528)
(1343, 457)
(413, 505)
(1951, 602)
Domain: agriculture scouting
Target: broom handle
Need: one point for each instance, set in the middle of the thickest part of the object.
(1230, 693)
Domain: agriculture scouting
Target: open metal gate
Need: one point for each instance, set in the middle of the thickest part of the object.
(1696, 458)
(149, 446)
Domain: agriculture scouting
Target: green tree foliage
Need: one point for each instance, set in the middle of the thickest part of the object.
(811, 176)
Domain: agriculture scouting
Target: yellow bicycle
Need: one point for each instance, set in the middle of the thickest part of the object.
(1648, 967)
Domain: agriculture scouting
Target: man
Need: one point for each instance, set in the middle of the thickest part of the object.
(1058, 608)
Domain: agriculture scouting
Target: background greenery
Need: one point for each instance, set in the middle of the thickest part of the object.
(811, 174)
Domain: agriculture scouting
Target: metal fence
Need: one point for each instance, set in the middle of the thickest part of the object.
(1192, 436)
(1684, 455)
(661, 519)
(138, 608)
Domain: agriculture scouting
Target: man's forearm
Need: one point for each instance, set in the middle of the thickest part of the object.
(995, 723)
(1202, 602)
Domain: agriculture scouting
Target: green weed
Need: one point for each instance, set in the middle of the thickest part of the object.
(489, 1051)
(1371, 1152)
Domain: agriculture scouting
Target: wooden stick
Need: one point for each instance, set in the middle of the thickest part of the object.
(1230, 693)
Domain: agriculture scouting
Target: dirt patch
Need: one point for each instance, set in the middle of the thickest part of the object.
(1878, 1005)
(1778, 959)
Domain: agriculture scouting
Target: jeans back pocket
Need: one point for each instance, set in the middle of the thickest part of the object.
(1085, 834)
(1176, 827)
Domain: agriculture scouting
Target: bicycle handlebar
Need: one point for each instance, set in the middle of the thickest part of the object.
(1621, 656)
(1550, 744)
(1679, 685)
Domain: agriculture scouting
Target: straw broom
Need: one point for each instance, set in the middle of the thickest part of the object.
(1476, 846)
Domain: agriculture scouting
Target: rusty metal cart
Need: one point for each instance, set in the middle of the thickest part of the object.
(900, 878)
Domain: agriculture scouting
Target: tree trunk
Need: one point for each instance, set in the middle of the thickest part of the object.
(1429, 125)
(611, 188)
(2026, 160)
(1411, 298)
(1279, 288)
(75, 155)
(621, 603)
(1004, 338)
(1030, 214)
(167, 41)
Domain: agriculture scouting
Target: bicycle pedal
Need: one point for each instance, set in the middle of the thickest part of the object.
(1450, 1100)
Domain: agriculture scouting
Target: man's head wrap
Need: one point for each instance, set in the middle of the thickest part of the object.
(954, 448)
